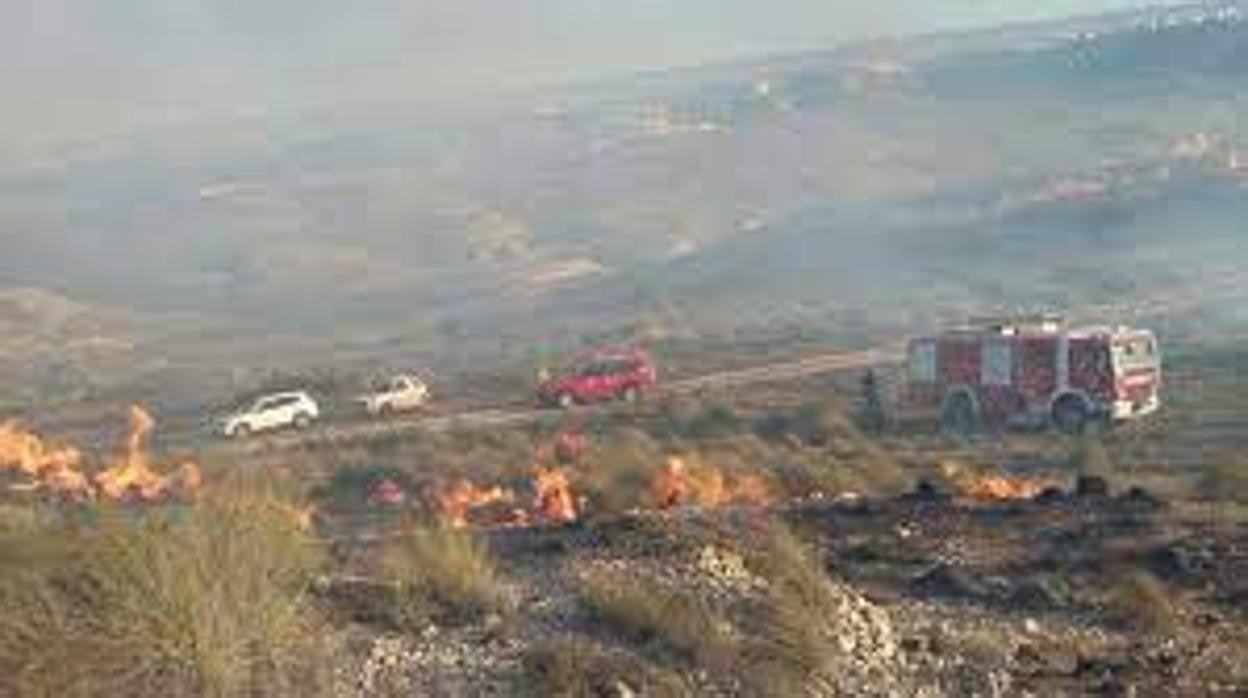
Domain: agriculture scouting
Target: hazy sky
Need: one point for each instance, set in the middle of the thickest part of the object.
(81, 67)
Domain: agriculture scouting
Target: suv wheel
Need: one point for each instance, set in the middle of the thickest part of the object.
(241, 431)
(302, 421)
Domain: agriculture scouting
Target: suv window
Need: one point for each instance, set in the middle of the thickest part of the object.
(274, 403)
(591, 369)
(620, 366)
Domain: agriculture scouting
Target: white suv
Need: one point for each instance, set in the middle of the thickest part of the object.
(294, 409)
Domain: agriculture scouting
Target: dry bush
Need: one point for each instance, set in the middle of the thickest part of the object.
(209, 600)
(441, 574)
(1224, 481)
(818, 423)
(789, 643)
(619, 470)
(1141, 601)
(652, 616)
(580, 669)
(840, 457)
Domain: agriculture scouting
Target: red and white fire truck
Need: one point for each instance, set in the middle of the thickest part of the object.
(1034, 370)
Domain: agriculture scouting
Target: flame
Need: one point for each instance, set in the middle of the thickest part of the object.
(26, 453)
(133, 474)
(991, 487)
(48, 467)
(57, 469)
(554, 501)
(304, 517)
(454, 501)
(677, 485)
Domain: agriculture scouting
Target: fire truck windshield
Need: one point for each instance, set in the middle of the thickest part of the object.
(1135, 352)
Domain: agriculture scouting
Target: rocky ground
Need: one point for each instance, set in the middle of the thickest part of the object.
(930, 596)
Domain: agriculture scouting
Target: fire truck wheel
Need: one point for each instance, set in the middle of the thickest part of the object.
(958, 416)
(565, 401)
(1070, 415)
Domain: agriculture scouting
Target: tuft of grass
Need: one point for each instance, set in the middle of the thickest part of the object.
(1224, 481)
(203, 601)
(579, 669)
(442, 575)
(619, 471)
(791, 643)
(652, 616)
(817, 423)
(1142, 601)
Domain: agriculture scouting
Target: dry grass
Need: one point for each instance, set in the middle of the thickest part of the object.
(1224, 481)
(619, 470)
(579, 669)
(662, 619)
(203, 601)
(790, 644)
(1141, 601)
(441, 574)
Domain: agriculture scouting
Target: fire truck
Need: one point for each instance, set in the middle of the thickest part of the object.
(1033, 370)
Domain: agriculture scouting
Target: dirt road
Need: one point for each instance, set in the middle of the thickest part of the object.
(338, 433)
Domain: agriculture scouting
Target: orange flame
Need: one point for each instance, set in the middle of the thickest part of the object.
(51, 468)
(133, 474)
(677, 485)
(991, 487)
(24, 452)
(554, 501)
(56, 469)
(454, 501)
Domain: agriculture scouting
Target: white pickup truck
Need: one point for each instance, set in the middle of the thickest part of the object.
(403, 393)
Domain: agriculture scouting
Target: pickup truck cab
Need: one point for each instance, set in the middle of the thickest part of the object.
(294, 409)
(402, 393)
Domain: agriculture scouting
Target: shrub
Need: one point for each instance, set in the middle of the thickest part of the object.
(1224, 481)
(203, 601)
(619, 471)
(818, 422)
(1140, 600)
(790, 644)
(441, 574)
(580, 669)
(652, 616)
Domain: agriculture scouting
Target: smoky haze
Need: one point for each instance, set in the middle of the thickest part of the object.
(380, 207)
(82, 69)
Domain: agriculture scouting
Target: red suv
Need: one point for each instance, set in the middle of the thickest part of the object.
(601, 375)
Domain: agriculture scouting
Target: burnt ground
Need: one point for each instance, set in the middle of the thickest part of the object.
(1138, 586)
(1015, 598)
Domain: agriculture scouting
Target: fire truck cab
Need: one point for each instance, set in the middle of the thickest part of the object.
(1034, 370)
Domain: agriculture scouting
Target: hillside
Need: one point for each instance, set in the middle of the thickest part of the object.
(851, 193)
